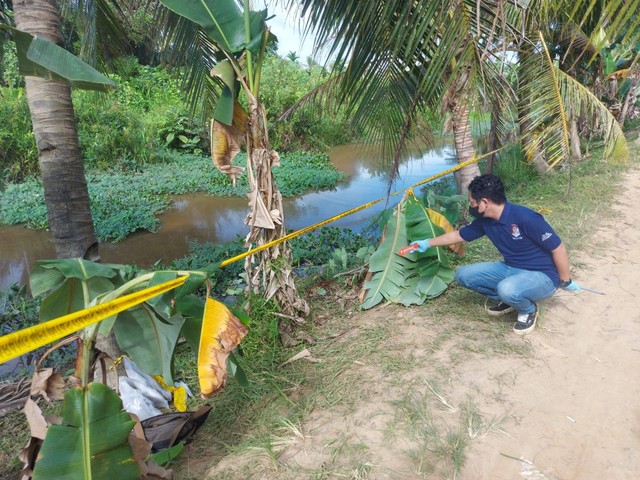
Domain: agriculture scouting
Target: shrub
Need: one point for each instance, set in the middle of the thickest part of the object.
(18, 151)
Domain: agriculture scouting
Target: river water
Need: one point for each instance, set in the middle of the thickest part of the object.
(198, 217)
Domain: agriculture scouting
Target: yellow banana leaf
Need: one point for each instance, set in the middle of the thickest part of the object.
(225, 142)
(221, 333)
(441, 221)
(23, 341)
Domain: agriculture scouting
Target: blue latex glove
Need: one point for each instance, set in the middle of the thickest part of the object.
(423, 245)
(572, 287)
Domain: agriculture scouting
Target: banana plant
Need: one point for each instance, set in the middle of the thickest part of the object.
(415, 277)
(92, 440)
(240, 37)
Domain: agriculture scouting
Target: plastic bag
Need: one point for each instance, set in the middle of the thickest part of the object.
(134, 401)
(140, 393)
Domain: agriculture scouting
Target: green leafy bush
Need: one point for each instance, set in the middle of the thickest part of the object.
(11, 75)
(122, 129)
(111, 134)
(283, 83)
(147, 116)
(316, 248)
(180, 132)
(18, 152)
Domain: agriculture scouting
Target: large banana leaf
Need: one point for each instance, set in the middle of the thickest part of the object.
(419, 225)
(390, 271)
(416, 277)
(48, 274)
(161, 304)
(226, 106)
(433, 266)
(223, 21)
(69, 297)
(41, 58)
(150, 340)
(91, 442)
(192, 308)
(441, 221)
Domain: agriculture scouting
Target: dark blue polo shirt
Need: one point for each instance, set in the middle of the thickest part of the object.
(522, 236)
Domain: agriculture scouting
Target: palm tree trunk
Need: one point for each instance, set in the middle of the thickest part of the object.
(632, 95)
(463, 140)
(54, 127)
(530, 144)
(576, 153)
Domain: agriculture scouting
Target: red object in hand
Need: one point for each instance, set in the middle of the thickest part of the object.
(405, 250)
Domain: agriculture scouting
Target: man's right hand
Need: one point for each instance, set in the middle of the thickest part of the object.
(423, 245)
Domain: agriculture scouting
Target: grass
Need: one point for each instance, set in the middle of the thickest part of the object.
(378, 358)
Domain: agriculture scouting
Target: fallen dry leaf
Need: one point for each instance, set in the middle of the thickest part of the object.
(304, 354)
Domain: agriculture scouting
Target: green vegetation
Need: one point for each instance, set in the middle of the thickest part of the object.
(146, 119)
(125, 201)
(392, 83)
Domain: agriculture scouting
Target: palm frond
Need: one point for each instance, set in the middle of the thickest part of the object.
(321, 98)
(100, 24)
(187, 48)
(549, 92)
(583, 101)
(541, 98)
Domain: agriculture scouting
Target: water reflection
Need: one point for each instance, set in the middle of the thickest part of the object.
(197, 217)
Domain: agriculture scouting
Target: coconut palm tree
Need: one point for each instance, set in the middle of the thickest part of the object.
(405, 57)
(52, 115)
(54, 127)
(552, 98)
(372, 36)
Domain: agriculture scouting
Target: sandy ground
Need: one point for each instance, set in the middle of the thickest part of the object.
(561, 403)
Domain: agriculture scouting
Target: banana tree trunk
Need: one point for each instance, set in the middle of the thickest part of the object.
(463, 140)
(54, 127)
(270, 271)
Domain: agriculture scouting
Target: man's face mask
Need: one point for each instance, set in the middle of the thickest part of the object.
(475, 211)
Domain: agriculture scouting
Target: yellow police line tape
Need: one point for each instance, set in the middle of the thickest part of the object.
(349, 212)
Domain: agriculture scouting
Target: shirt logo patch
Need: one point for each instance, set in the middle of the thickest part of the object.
(515, 231)
(546, 236)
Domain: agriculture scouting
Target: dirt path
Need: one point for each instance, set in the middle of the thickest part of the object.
(418, 393)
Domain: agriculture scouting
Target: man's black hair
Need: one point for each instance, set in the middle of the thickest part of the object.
(487, 186)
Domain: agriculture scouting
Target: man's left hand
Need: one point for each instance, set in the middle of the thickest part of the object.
(571, 286)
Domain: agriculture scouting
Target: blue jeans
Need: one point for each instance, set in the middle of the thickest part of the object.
(513, 286)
